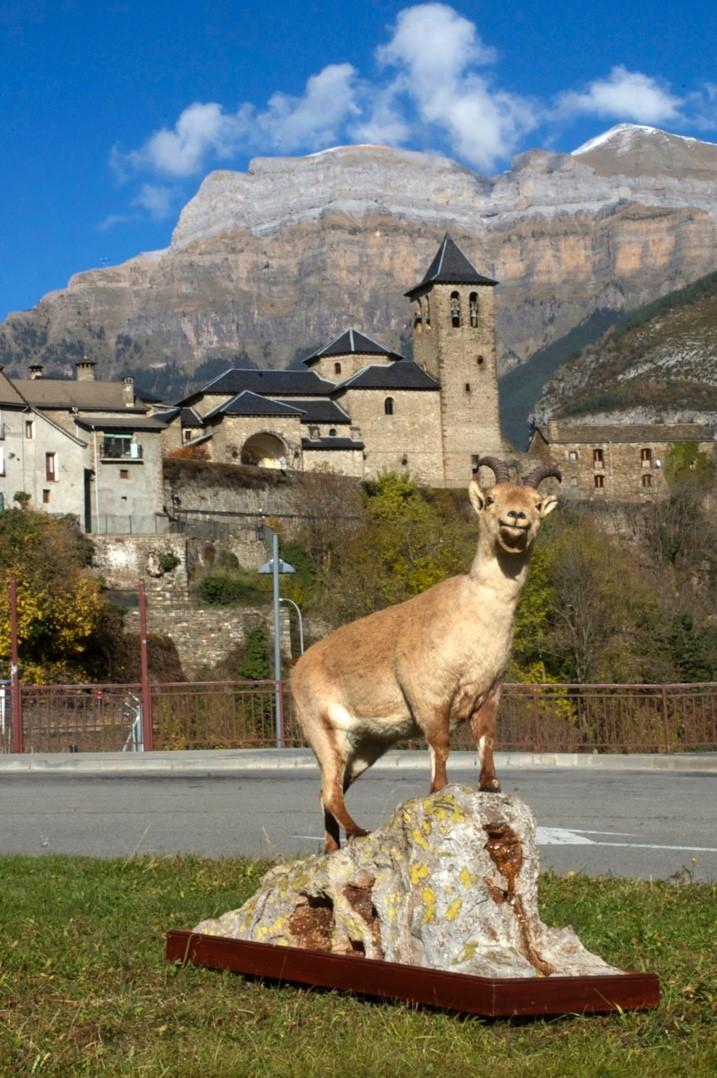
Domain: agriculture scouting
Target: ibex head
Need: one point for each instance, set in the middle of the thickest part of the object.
(511, 514)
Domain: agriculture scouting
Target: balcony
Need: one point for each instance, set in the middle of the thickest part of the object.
(120, 449)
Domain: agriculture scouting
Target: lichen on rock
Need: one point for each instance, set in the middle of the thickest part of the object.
(449, 883)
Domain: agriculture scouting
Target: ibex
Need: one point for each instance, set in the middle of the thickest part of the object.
(425, 665)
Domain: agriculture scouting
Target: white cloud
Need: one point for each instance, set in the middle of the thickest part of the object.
(156, 199)
(317, 117)
(624, 95)
(434, 50)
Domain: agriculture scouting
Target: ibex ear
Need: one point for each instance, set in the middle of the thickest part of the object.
(547, 505)
(476, 496)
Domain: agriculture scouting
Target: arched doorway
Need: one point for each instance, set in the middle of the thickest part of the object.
(264, 450)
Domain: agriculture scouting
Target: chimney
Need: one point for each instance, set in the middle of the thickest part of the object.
(85, 370)
(36, 371)
(552, 430)
(128, 391)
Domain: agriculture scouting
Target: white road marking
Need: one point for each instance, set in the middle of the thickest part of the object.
(562, 836)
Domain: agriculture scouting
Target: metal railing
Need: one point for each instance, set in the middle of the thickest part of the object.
(241, 714)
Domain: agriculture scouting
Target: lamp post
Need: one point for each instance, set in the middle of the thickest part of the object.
(297, 608)
(276, 566)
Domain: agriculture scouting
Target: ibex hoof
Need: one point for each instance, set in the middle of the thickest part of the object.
(489, 786)
(358, 833)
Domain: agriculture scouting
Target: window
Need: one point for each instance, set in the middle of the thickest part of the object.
(473, 308)
(428, 312)
(598, 458)
(646, 458)
(117, 446)
(417, 319)
(572, 454)
(2, 502)
(388, 406)
(124, 473)
(313, 432)
(646, 480)
(468, 387)
(337, 368)
(480, 360)
(29, 428)
(455, 309)
(2, 460)
(45, 497)
(332, 432)
(187, 434)
(599, 482)
(50, 468)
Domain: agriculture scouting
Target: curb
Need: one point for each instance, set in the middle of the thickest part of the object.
(238, 761)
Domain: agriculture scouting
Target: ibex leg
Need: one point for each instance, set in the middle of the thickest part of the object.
(483, 727)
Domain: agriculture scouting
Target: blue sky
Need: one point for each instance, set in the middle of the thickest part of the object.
(112, 113)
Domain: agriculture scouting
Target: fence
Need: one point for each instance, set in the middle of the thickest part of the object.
(241, 714)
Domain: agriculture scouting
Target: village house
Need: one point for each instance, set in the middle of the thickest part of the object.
(620, 462)
(84, 447)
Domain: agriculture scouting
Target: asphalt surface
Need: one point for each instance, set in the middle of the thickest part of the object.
(619, 822)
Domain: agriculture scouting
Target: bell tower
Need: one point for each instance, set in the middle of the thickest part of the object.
(454, 342)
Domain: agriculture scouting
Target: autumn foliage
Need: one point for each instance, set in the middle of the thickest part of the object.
(59, 601)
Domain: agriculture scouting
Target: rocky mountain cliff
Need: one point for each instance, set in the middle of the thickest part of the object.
(658, 365)
(274, 261)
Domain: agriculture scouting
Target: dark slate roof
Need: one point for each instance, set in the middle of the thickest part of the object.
(248, 403)
(330, 443)
(450, 266)
(403, 375)
(266, 383)
(631, 434)
(352, 343)
(120, 422)
(189, 418)
(168, 415)
(320, 411)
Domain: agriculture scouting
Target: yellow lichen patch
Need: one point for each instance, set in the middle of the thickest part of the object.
(444, 809)
(419, 872)
(468, 952)
(454, 909)
(280, 923)
(466, 878)
(429, 901)
(419, 839)
(426, 827)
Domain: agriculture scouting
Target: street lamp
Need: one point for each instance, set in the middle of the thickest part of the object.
(297, 608)
(276, 566)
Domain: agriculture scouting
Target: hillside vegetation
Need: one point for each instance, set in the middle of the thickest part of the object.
(658, 363)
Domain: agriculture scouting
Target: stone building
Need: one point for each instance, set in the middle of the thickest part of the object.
(620, 463)
(359, 408)
(83, 447)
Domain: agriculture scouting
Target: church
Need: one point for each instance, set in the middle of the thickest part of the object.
(358, 408)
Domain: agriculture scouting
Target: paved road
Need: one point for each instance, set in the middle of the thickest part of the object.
(628, 823)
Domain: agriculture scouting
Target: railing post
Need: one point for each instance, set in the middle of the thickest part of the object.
(147, 728)
(17, 743)
(536, 720)
(665, 719)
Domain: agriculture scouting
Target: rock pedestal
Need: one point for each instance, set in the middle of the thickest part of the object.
(449, 883)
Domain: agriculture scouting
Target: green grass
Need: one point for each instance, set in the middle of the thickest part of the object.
(84, 988)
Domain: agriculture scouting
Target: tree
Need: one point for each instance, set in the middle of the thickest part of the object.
(59, 604)
(255, 664)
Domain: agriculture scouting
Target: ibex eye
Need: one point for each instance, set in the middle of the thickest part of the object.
(489, 499)
(539, 506)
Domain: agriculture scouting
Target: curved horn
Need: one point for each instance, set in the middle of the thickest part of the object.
(498, 467)
(543, 471)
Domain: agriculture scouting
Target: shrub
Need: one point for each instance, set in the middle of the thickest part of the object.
(227, 587)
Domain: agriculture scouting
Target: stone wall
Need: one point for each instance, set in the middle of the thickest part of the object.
(204, 635)
(407, 440)
(122, 560)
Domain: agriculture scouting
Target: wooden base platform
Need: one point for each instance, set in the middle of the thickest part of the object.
(492, 997)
